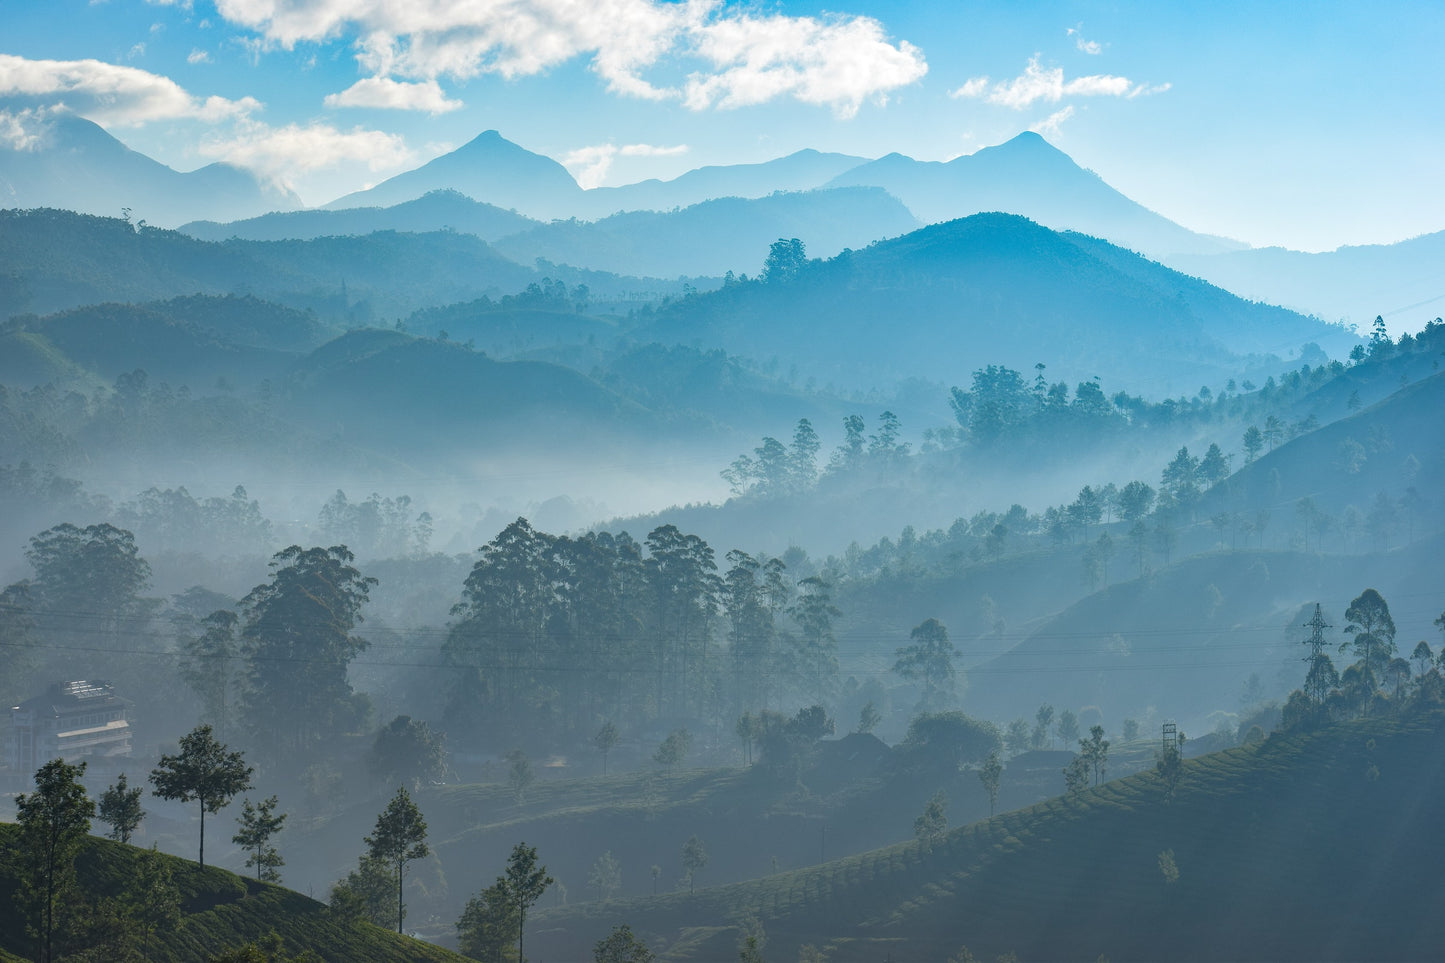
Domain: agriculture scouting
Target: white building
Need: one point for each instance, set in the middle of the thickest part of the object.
(71, 721)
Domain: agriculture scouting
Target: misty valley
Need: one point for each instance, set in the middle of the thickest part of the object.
(828, 559)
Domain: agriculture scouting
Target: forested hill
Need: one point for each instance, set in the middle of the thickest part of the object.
(1317, 846)
(993, 288)
(55, 260)
(220, 913)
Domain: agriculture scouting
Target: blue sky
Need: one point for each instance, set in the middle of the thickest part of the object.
(1308, 125)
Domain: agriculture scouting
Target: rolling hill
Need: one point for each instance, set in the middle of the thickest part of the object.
(1279, 851)
(220, 911)
(57, 260)
(992, 289)
(438, 210)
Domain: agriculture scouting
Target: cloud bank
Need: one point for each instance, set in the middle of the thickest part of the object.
(109, 94)
(701, 53)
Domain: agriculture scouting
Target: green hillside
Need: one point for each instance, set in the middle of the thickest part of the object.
(1319, 846)
(993, 288)
(220, 911)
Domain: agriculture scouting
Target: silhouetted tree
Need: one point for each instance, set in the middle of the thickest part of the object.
(930, 827)
(53, 820)
(526, 882)
(989, 774)
(929, 661)
(1374, 634)
(621, 946)
(257, 825)
(604, 741)
(694, 859)
(205, 772)
(399, 837)
(120, 808)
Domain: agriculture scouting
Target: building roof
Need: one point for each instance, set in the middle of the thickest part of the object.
(66, 697)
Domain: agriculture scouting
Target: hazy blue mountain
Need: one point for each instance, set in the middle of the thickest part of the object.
(992, 289)
(112, 339)
(1404, 282)
(711, 238)
(488, 168)
(439, 210)
(77, 166)
(392, 392)
(56, 260)
(1029, 176)
(799, 171)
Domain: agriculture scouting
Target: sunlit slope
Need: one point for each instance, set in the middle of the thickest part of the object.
(991, 289)
(1308, 847)
(220, 911)
(717, 236)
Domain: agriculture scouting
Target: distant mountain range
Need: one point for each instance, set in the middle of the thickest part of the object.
(713, 237)
(495, 189)
(443, 209)
(1029, 176)
(488, 168)
(1025, 176)
(1403, 282)
(803, 170)
(77, 166)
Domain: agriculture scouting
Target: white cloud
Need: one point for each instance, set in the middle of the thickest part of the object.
(739, 58)
(109, 94)
(1091, 47)
(388, 94)
(198, 56)
(284, 153)
(1050, 125)
(1144, 91)
(22, 129)
(838, 63)
(1048, 85)
(589, 165)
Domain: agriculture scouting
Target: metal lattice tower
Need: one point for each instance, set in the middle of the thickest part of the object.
(1316, 641)
(1314, 685)
(1170, 737)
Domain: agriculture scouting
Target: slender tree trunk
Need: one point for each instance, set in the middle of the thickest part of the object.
(400, 911)
(203, 834)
